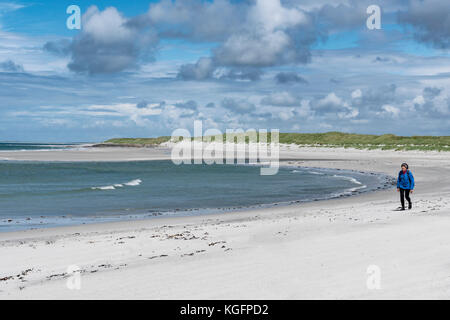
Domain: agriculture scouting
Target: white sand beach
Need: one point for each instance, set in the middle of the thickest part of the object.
(315, 250)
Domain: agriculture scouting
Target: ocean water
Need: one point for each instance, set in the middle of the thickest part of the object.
(16, 146)
(43, 194)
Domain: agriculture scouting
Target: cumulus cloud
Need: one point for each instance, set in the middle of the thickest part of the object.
(332, 104)
(191, 105)
(335, 81)
(267, 34)
(106, 43)
(430, 20)
(248, 37)
(390, 101)
(154, 106)
(142, 104)
(257, 50)
(357, 94)
(286, 115)
(343, 16)
(251, 34)
(195, 19)
(373, 98)
(419, 101)
(10, 66)
(267, 42)
(431, 92)
(389, 110)
(60, 47)
(201, 70)
(206, 68)
(184, 109)
(281, 99)
(238, 106)
(383, 59)
(250, 74)
(304, 110)
(432, 103)
(289, 77)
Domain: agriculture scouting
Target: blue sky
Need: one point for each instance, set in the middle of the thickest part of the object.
(146, 68)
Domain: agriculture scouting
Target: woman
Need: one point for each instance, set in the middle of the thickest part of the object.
(405, 185)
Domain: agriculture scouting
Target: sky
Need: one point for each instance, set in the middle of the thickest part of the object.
(147, 68)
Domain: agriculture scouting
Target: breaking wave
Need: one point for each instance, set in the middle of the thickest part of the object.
(131, 183)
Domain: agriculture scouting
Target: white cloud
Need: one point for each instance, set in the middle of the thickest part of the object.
(107, 43)
(6, 7)
(389, 110)
(419, 100)
(130, 111)
(280, 99)
(286, 115)
(357, 94)
(106, 26)
(332, 104)
(331, 101)
(249, 49)
(271, 15)
(305, 109)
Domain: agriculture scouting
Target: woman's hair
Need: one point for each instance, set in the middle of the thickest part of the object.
(404, 164)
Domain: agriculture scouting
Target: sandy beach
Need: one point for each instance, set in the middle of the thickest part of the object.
(324, 249)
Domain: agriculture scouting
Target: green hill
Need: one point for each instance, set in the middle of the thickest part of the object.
(328, 139)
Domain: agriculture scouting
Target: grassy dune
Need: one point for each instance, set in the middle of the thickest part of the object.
(137, 141)
(365, 141)
(329, 139)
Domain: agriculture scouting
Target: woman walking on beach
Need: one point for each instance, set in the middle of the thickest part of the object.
(405, 185)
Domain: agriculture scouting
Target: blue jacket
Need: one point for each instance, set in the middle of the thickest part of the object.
(405, 180)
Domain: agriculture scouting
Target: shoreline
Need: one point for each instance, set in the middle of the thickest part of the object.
(320, 249)
(384, 183)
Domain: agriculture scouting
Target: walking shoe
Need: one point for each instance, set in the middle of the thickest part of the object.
(410, 206)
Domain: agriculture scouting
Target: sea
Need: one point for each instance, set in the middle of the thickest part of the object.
(48, 194)
(23, 146)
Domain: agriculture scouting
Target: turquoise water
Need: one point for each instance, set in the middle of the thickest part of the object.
(14, 146)
(40, 194)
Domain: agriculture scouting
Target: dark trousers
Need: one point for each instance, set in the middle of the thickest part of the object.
(404, 193)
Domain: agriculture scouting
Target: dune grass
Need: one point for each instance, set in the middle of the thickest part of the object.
(365, 141)
(329, 139)
(138, 141)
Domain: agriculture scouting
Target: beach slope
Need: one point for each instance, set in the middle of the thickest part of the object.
(356, 247)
